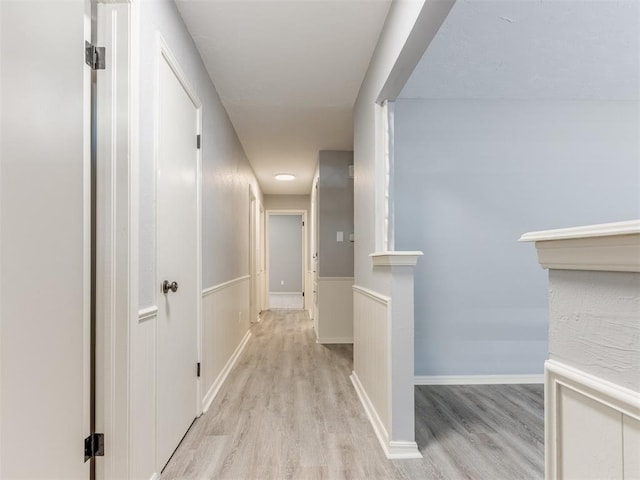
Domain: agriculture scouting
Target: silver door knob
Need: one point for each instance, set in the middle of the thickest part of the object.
(166, 286)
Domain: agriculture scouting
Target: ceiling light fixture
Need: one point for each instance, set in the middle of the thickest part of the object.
(285, 177)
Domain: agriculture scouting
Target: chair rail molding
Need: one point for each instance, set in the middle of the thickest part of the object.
(611, 247)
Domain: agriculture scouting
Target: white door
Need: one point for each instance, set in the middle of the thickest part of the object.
(45, 228)
(177, 179)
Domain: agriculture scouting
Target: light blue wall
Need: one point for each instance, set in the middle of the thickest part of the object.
(285, 253)
(470, 178)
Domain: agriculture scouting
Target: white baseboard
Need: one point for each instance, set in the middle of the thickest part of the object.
(330, 340)
(392, 450)
(155, 476)
(217, 384)
(478, 379)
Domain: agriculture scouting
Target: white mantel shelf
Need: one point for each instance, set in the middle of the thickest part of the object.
(395, 259)
(611, 247)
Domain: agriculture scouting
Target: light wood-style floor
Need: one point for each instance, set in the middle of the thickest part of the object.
(288, 411)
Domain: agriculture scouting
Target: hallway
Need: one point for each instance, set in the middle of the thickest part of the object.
(289, 411)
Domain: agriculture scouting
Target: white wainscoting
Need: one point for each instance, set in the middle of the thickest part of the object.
(225, 331)
(142, 451)
(335, 310)
(478, 379)
(262, 294)
(592, 426)
(309, 293)
(371, 375)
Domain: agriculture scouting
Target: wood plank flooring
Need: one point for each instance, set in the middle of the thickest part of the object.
(288, 411)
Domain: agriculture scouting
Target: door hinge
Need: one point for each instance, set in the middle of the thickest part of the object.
(94, 446)
(198, 141)
(198, 369)
(303, 294)
(94, 56)
(303, 224)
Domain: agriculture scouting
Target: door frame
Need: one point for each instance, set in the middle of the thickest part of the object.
(163, 51)
(117, 249)
(117, 193)
(253, 271)
(303, 214)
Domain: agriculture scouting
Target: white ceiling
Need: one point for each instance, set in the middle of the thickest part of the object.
(533, 49)
(288, 72)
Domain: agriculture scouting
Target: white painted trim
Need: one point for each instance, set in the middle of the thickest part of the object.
(224, 373)
(305, 247)
(609, 247)
(156, 476)
(395, 259)
(147, 313)
(335, 279)
(376, 422)
(384, 300)
(117, 205)
(478, 379)
(631, 227)
(221, 286)
(618, 253)
(393, 450)
(403, 450)
(619, 398)
(557, 375)
(334, 340)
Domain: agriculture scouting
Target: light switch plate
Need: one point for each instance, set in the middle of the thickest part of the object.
(340, 237)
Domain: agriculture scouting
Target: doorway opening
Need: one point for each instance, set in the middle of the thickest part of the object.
(286, 251)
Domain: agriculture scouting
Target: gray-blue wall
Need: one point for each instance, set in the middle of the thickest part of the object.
(470, 178)
(335, 214)
(285, 253)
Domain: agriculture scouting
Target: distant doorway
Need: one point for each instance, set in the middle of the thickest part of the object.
(285, 259)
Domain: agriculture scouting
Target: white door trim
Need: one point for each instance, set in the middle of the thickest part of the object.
(163, 51)
(117, 230)
(253, 271)
(302, 213)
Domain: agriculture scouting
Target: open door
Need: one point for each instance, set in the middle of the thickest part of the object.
(44, 238)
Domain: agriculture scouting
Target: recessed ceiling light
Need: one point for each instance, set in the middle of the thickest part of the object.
(285, 177)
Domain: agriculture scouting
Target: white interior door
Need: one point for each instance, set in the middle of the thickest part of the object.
(177, 229)
(45, 239)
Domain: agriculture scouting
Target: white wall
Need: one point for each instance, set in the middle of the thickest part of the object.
(595, 324)
(44, 226)
(471, 176)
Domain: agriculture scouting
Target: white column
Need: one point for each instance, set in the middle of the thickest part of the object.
(383, 353)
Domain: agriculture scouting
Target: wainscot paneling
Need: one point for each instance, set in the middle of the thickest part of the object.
(370, 356)
(335, 310)
(225, 331)
(605, 446)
